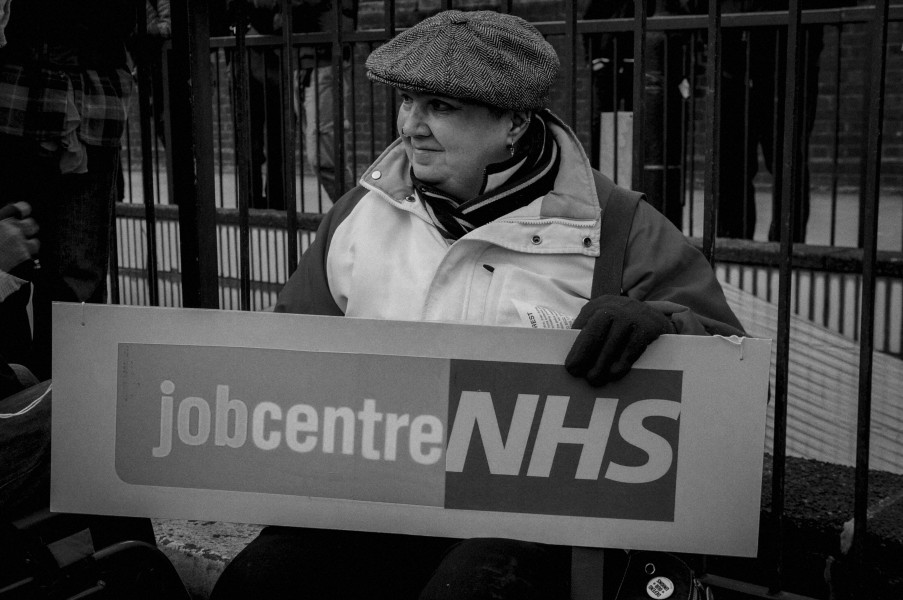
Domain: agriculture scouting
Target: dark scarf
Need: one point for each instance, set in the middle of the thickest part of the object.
(538, 160)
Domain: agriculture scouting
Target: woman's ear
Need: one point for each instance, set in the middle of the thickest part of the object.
(520, 122)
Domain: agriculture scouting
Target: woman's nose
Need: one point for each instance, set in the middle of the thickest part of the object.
(411, 123)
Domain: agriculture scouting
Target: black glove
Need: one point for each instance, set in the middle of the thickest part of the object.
(614, 332)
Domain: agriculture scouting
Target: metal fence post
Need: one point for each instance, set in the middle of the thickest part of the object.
(869, 248)
(192, 150)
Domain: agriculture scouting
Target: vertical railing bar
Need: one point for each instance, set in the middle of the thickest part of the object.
(372, 114)
(713, 132)
(231, 243)
(746, 108)
(165, 73)
(666, 96)
(869, 249)
(835, 158)
(147, 177)
(352, 92)
(127, 177)
(114, 259)
(219, 128)
(299, 140)
(317, 134)
(338, 103)
(570, 59)
(789, 196)
(221, 261)
(389, 29)
(193, 172)
(899, 350)
(639, 93)
(243, 151)
(691, 135)
(805, 111)
(288, 129)
(684, 133)
(841, 311)
(857, 299)
(594, 102)
(156, 157)
(132, 254)
(616, 153)
(261, 262)
(885, 345)
(777, 148)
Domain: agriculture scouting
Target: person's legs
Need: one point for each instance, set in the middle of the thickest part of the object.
(501, 568)
(319, 128)
(75, 245)
(283, 563)
(257, 124)
(739, 158)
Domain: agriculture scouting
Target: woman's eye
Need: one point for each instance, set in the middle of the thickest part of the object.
(440, 106)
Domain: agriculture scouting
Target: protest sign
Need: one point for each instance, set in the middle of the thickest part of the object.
(418, 428)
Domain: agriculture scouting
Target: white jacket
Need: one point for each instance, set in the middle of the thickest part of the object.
(378, 255)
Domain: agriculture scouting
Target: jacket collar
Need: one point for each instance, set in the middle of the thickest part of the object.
(572, 197)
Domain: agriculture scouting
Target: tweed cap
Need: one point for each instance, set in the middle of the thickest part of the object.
(484, 56)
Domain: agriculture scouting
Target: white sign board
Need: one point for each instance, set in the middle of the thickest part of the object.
(405, 427)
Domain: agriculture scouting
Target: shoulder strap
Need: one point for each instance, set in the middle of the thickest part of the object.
(618, 209)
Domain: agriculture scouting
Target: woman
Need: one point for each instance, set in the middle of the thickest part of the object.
(485, 210)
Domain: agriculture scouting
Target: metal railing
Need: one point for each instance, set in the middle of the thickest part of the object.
(233, 256)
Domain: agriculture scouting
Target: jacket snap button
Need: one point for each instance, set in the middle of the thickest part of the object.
(536, 239)
(587, 242)
(409, 198)
(376, 174)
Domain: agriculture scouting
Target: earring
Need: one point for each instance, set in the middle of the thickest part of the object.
(510, 148)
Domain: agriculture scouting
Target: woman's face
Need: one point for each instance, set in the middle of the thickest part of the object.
(450, 142)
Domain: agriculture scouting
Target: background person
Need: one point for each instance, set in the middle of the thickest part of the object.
(763, 76)
(314, 91)
(63, 107)
(316, 80)
(485, 203)
(25, 413)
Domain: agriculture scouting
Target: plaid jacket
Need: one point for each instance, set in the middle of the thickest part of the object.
(48, 102)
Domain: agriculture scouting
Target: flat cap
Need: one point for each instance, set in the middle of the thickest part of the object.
(488, 57)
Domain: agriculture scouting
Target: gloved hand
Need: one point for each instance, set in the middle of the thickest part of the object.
(614, 332)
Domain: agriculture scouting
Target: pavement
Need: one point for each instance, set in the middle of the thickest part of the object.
(200, 550)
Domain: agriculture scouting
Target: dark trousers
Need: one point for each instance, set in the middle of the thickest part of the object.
(265, 95)
(760, 89)
(293, 563)
(74, 213)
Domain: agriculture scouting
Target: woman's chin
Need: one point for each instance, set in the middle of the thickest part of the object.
(426, 174)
